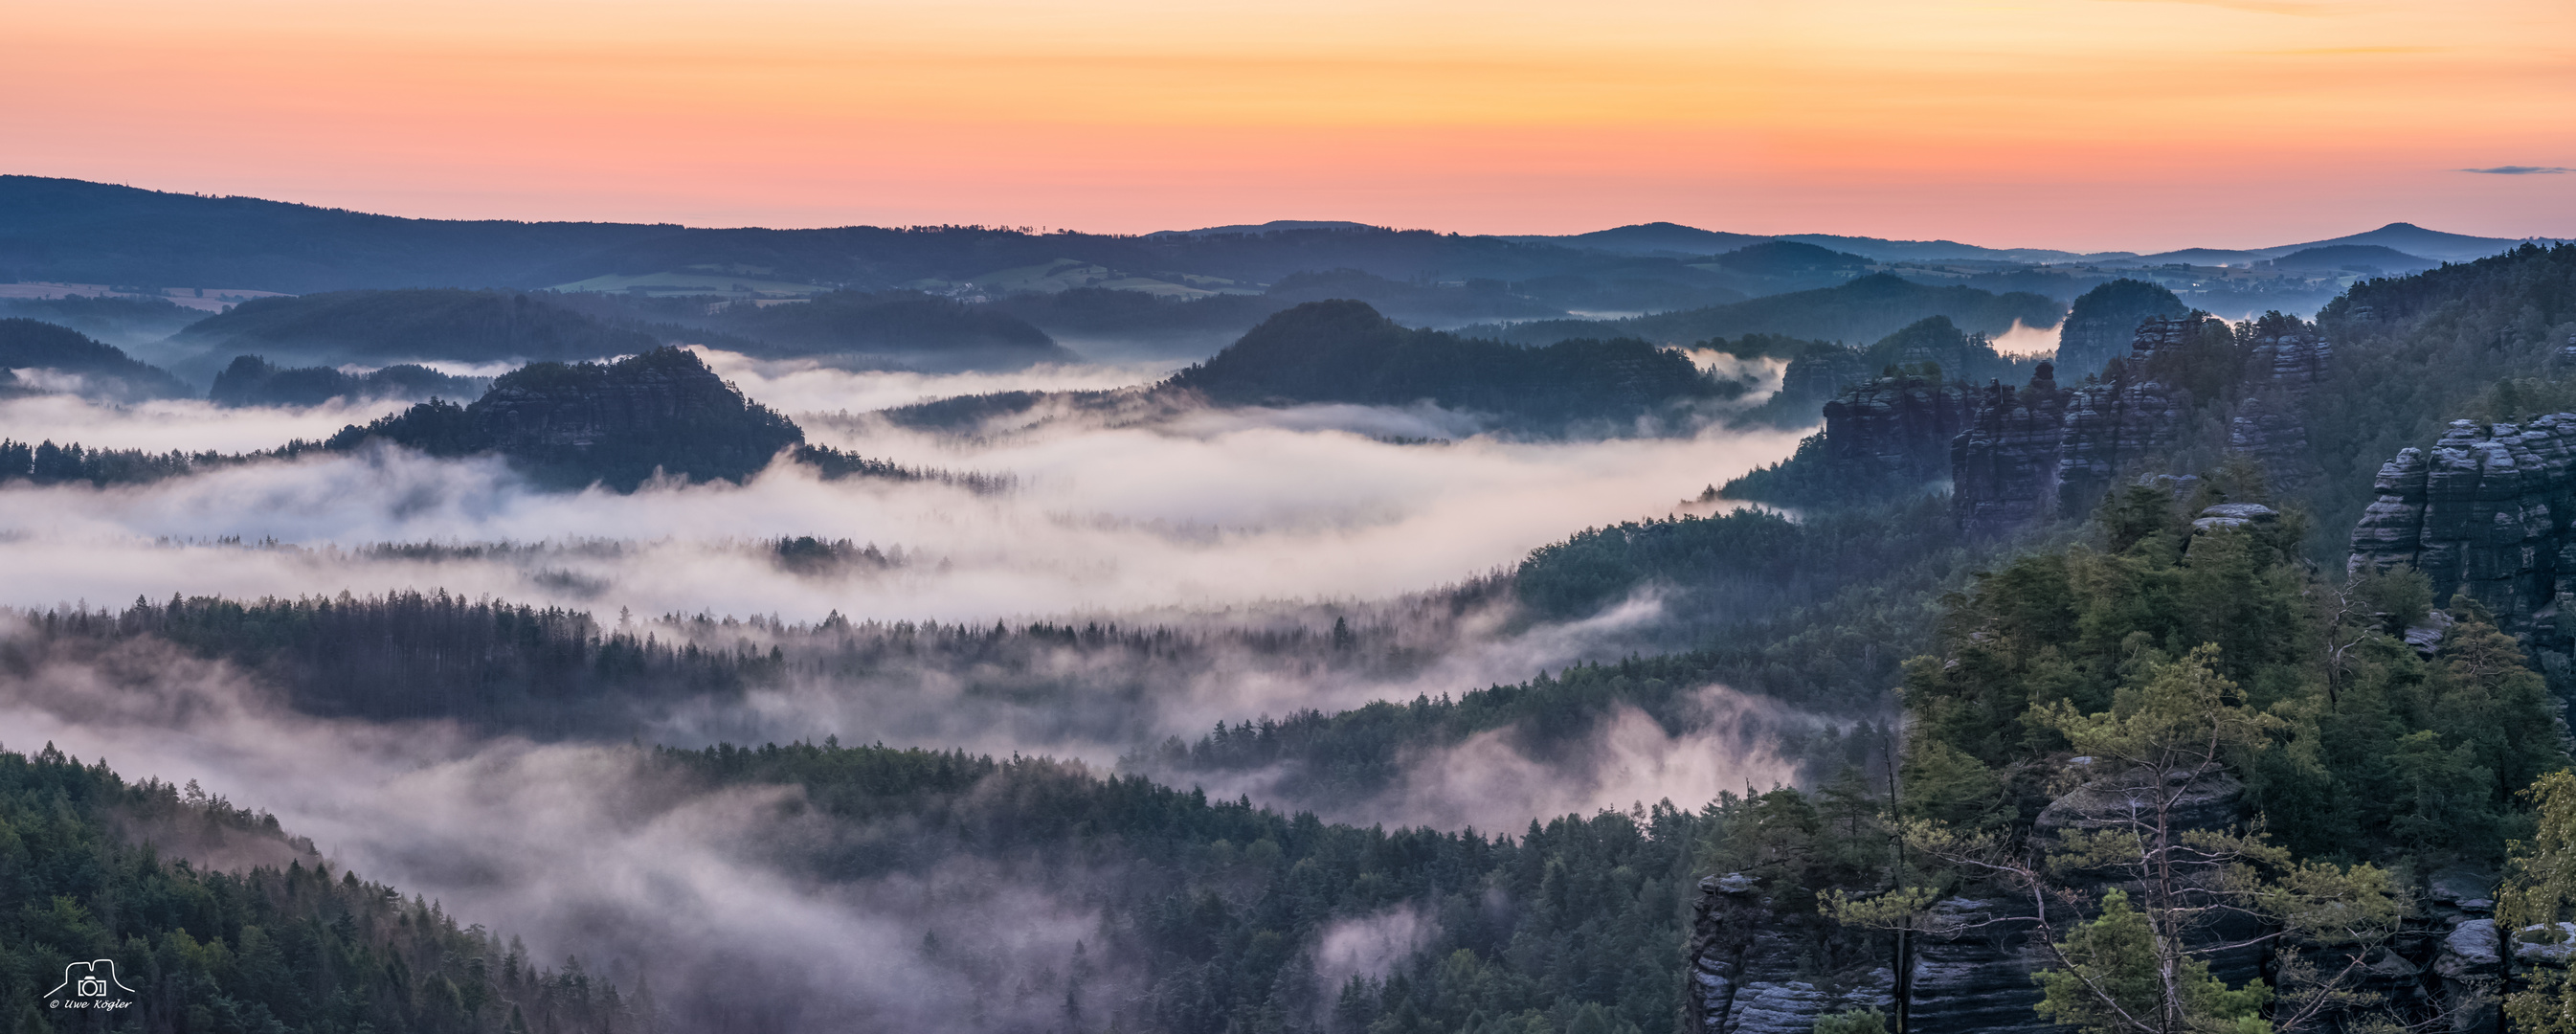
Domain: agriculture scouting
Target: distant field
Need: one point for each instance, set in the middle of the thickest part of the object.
(209, 299)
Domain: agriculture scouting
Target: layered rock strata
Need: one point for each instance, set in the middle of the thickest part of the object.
(2269, 422)
(2041, 451)
(2125, 418)
(2003, 468)
(1757, 971)
(1895, 429)
(2484, 511)
(1818, 374)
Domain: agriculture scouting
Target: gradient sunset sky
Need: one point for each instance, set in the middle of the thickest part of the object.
(2086, 124)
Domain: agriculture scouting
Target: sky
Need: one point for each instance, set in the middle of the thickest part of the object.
(2079, 124)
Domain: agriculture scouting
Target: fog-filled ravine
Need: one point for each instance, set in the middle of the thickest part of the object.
(936, 633)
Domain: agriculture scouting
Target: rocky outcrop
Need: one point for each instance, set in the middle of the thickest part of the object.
(2484, 511)
(1973, 973)
(2123, 419)
(2269, 422)
(2104, 320)
(2003, 468)
(1757, 971)
(2030, 454)
(1817, 375)
(1895, 430)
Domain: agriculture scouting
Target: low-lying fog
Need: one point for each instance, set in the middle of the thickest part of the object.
(1208, 520)
(1218, 510)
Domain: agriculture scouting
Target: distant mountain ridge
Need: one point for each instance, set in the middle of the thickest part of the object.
(73, 231)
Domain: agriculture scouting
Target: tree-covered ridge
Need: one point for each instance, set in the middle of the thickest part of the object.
(105, 370)
(898, 328)
(1863, 309)
(288, 947)
(1574, 925)
(252, 381)
(108, 318)
(45, 463)
(1343, 351)
(621, 423)
(2483, 340)
(2345, 766)
(2379, 754)
(391, 326)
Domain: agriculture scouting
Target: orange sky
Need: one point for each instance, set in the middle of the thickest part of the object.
(2139, 124)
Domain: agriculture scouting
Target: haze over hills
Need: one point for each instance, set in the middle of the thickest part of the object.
(79, 232)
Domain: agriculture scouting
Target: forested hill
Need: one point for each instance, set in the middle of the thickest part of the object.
(105, 371)
(267, 939)
(618, 423)
(1864, 309)
(1343, 351)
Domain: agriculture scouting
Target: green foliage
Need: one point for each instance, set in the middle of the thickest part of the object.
(2413, 353)
(2540, 888)
(2372, 752)
(2115, 984)
(285, 946)
(46, 463)
(1855, 1021)
(1578, 920)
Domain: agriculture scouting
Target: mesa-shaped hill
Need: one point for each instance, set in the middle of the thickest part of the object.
(616, 424)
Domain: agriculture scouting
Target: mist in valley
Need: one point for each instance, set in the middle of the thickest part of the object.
(1205, 566)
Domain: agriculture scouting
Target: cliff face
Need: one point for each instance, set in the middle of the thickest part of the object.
(1895, 429)
(2269, 422)
(2003, 468)
(1818, 374)
(1755, 970)
(2486, 510)
(2127, 417)
(2043, 451)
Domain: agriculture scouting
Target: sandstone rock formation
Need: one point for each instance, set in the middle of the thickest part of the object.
(2104, 320)
(1895, 430)
(2485, 511)
(2269, 423)
(2125, 418)
(1817, 375)
(2003, 468)
(2045, 451)
(1757, 971)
